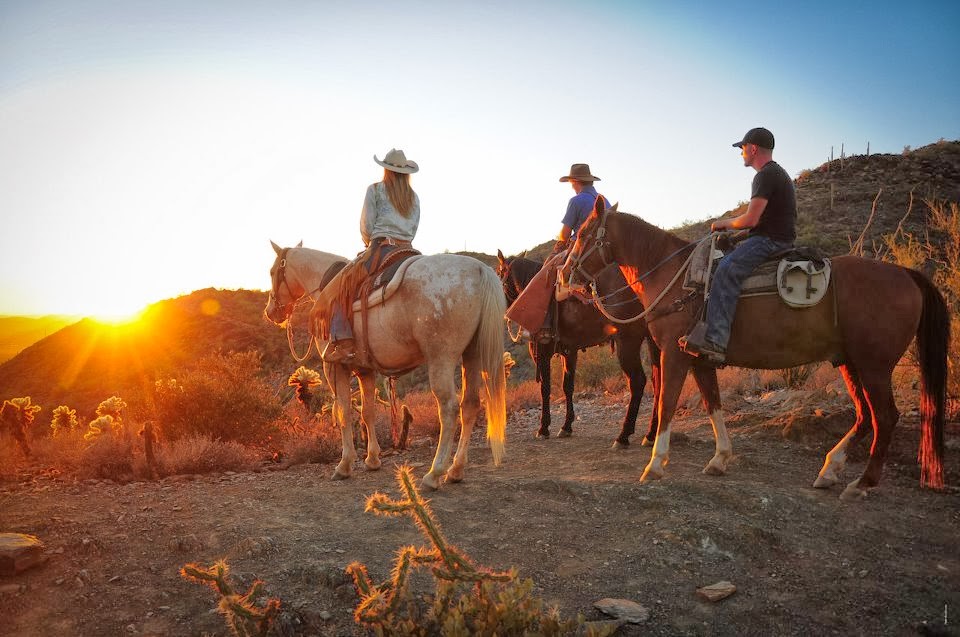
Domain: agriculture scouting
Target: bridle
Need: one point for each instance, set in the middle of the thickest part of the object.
(286, 310)
(280, 277)
(601, 245)
(511, 287)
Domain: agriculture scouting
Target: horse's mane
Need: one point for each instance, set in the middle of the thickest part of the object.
(641, 237)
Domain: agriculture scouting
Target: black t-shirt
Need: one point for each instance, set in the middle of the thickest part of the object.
(779, 218)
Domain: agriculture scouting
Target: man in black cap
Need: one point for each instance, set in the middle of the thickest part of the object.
(771, 219)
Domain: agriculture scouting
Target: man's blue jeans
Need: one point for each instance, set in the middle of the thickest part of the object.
(732, 271)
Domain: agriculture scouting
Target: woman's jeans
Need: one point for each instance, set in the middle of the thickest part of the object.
(732, 271)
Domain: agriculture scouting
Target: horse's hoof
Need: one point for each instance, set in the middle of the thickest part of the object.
(715, 468)
(565, 433)
(337, 475)
(621, 444)
(372, 466)
(647, 442)
(430, 482)
(853, 493)
(823, 482)
(542, 435)
(455, 474)
(649, 475)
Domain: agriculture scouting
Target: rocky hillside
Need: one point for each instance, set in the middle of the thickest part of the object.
(835, 199)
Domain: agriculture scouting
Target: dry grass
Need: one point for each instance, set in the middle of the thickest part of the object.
(202, 454)
(315, 440)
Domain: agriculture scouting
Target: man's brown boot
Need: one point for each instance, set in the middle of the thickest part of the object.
(339, 351)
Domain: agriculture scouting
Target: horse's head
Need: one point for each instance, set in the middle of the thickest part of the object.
(285, 290)
(515, 273)
(590, 253)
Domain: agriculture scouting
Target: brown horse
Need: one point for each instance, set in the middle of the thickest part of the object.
(870, 315)
(580, 326)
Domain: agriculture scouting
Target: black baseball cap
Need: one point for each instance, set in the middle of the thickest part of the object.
(759, 136)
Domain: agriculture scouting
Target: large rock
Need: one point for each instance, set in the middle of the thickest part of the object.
(18, 552)
(623, 609)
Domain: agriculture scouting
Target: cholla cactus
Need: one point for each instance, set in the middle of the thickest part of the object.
(304, 379)
(100, 426)
(112, 406)
(508, 363)
(379, 603)
(64, 419)
(15, 416)
(242, 615)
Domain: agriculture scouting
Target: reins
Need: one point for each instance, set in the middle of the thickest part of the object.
(601, 245)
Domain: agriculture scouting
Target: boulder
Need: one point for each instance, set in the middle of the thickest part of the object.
(18, 552)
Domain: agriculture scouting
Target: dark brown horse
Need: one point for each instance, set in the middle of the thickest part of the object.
(870, 315)
(580, 326)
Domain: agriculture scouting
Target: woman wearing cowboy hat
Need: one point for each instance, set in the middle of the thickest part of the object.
(389, 220)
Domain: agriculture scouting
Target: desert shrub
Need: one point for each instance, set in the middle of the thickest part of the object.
(64, 420)
(198, 453)
(314, 440)
(939, 256)
(107, 456)
(524, 395)
(797, 377)
(222, 397)
(594, 366)
(426, 417)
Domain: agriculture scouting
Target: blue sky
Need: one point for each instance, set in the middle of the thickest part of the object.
(150, 149)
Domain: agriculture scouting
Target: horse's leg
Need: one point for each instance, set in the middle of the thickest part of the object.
(674, 365)
(656, 379)
(632, 368)
(837, 457)
(368, 415)
(706, 379)
(542, 354)
(339, 379)
(878, 390)
(471, 384)
(569, 374)
(445, 391)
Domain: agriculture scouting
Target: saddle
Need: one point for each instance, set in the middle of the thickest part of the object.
(800, 275)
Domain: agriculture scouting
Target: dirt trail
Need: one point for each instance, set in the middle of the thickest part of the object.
(570, 514)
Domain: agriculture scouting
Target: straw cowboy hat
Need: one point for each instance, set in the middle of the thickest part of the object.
(396, 161)
(580, 172)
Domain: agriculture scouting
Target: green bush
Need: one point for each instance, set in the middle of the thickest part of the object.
(222, 397)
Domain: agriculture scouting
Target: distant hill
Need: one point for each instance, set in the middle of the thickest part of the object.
(87, 362)
(19, 332)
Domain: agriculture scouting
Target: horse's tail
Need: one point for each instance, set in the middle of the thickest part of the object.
(489, 340)
(933, 340)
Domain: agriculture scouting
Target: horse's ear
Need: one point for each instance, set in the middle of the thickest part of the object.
(613, 208)
(599, 205)
(300, 245)
(523, 255)
(276, 248)
(499, 256)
